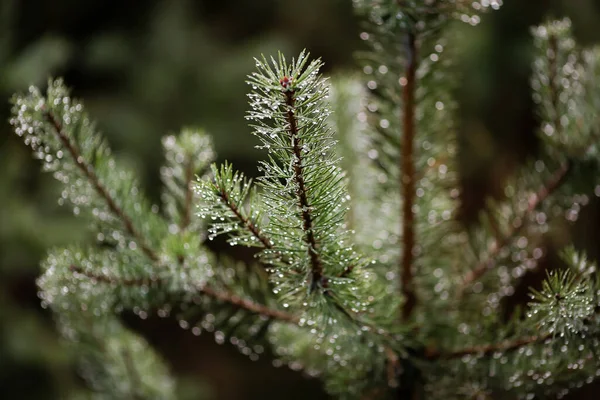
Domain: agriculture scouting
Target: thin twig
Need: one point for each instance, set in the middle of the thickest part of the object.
(407, 179)
(189, 196)
(248, 305)
(89, 172)
(534, 202)
(246, 222)
(224, 296)
(487, 349)
(315, 259)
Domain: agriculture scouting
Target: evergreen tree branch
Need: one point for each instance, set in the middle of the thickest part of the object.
(246, 222)
(392, 367)
(221, 295)
(189, 196)
(249, 305)
(301, 192)
(488, 349)
(187, 155)
(535, 200)
(408, 177)
(552, 56)
(88, 171)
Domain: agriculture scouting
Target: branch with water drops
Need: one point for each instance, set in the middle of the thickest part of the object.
(231, 201)
(302, 176)
(322, 307)
(217, 294)
(534, 201)
(63, 137)
(187, 155)
(301, 191)
(88, 170)
(486, 350)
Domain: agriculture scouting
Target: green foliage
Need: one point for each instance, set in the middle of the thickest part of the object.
(381, 294)
(195, 148)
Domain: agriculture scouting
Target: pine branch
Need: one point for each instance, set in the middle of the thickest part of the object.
(187, 155)
(244, 221)
(552, 56)
(88, 171)
(102, 278)
(408, 178)
(189, 196)
(315, 259)
(249, 305)
(224, 296)
(534, 202)
(488, 349)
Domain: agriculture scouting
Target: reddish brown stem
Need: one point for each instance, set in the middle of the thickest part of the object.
(90, 174)
(347, 271)
(246, 222)
(301, 192)
(189, 196)
(533, 203)
(487, 349)
(220, 295)
(407, 177)
(248, 305)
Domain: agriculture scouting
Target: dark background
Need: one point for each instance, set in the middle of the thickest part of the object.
(148, 68)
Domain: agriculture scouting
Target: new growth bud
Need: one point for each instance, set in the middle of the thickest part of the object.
(286, 82)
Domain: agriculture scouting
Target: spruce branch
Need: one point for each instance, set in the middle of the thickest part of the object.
(88, 170)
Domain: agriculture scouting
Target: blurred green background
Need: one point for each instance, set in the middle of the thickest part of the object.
(147, 68)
